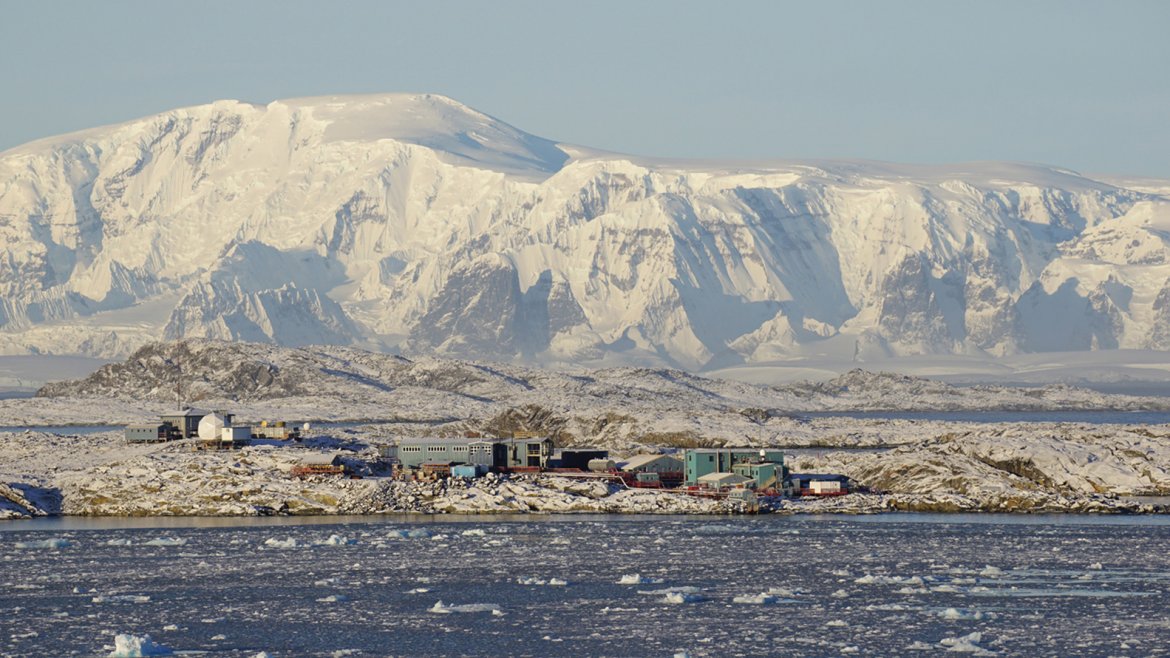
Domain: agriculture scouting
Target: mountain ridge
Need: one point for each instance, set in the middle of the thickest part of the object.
(409, 222)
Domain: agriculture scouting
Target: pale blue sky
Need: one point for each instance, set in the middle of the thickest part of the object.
(1079, 84)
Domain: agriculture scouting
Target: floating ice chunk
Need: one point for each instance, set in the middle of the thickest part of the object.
(419, 533)
(551, 582)
(837, 623)
(867, 579)
(840, 594)
(683, 597)
(171, 627)
(682, 654)
(756, 599)
(474, 532)
(55, 542)
(991, 572)
(218, 637)
(119, 542)
(338, 540)
(638, 579)
(966, 644)
(919, 645)
(954, 614)
(438, 537)
(291, 542)
(166, 541)
(419, 590)
(134, 646)
(441, 609)
(263, 654)
(1096, 566)
(121, 598)
(333, 598)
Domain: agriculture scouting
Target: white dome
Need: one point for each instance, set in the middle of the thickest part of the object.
(211, 427)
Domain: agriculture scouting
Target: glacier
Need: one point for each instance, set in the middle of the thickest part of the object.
(411, 223)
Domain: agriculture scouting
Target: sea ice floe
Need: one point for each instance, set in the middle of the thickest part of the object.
(135, 646)
(119, 542)
(55, 542)
(954, 614)
(1096, 566)
(868, 579)
(638, 579)
(991, 572)
(966, 644)
(551, 582)
(290, 542)
(121, 598)
(683, 597)
(756, 599)
(474, 532)
(419, 590)
(333, 598)
(337, 540)
(166, 541)
(837, 623)
(440, 608)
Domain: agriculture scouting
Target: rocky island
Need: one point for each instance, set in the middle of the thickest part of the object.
(357, 402)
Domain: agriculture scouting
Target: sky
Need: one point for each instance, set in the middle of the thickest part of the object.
(1083, 85)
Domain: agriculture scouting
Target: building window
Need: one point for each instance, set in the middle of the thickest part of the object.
(459, 448)
(411, 448)
(436, 448)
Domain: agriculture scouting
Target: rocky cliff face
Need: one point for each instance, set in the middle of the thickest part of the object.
(415, 222)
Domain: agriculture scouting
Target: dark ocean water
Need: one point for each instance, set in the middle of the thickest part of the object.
(635, 586)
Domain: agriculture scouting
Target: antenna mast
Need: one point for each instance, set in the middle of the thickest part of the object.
(179, 380)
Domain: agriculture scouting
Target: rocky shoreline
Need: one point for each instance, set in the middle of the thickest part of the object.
(96, 475)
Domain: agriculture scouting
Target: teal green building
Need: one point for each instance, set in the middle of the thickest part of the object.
(698, 462)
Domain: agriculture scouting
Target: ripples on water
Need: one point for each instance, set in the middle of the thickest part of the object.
(594, 586)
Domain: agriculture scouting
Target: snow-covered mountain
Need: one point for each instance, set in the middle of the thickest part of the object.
(413, 222)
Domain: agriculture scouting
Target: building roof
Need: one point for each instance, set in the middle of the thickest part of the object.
(185, 412)
(320, 458)
(724, 479)
(827, 477)
(444, 441)
(739, 449)
(638, 461)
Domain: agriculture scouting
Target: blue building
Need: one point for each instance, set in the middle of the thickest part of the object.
(698, 462)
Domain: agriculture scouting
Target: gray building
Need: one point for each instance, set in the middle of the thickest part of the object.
(528, 452)
(148, 433)
(413, 453)
(186, 421)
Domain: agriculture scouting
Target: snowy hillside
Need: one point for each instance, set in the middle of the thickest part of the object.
(615, 407)
(416, 223)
